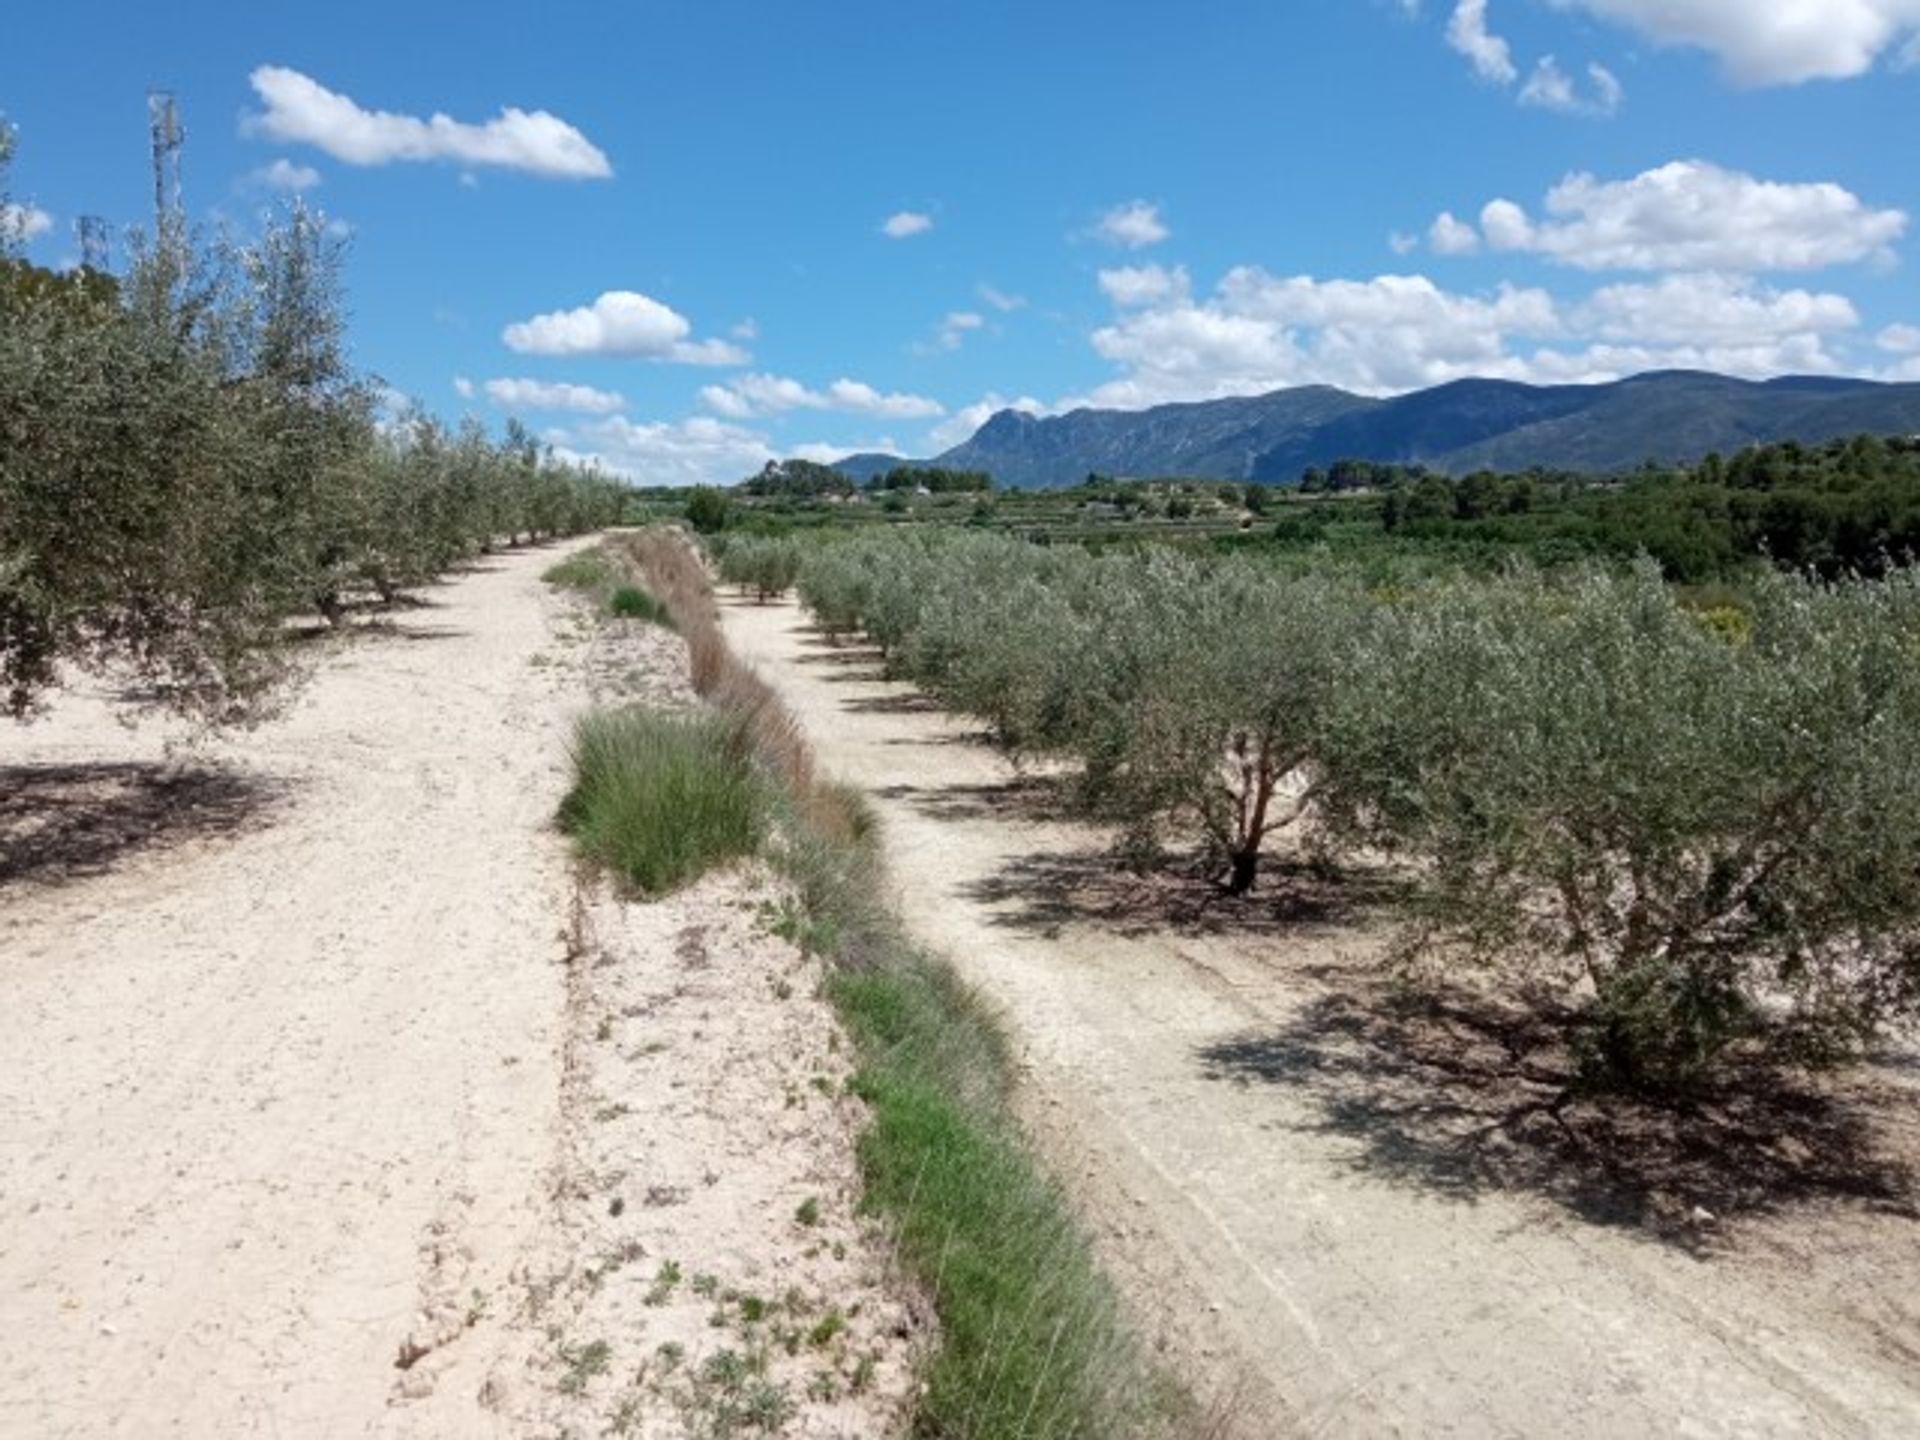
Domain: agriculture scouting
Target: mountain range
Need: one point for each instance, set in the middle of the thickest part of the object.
(1666, 416)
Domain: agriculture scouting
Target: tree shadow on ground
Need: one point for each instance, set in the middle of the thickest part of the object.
(1048, 891)
(63, 823)
(1036, 798)
(909, 702)
(1461, 1096)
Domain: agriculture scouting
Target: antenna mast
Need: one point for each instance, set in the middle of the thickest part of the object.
(163, 123)
(95, 246)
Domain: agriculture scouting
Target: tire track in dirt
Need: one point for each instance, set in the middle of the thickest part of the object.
(1258, 1226)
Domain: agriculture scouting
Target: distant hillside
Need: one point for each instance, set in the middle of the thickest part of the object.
(864, 466)
(1463, 426)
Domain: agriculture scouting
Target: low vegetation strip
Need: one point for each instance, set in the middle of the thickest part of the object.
(1031, 1340)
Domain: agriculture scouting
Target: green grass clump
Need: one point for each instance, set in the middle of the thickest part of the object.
(661, 799)
(630, 602)
(586, 570)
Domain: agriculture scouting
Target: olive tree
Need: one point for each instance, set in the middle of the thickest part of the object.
(1719, 833)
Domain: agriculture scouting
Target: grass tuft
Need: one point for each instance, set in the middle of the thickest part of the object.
(586, 570)
(661, 799)
(630, 602)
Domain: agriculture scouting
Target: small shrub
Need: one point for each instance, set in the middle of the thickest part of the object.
(661, 799)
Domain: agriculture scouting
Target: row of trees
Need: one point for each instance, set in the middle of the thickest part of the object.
(187, 462)
(1709, 824)
(1845, 506)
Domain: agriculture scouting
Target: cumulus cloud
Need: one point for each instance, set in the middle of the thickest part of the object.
(553, 395)
(1692, 215)
(24, 222)
(1491, 57)
(751, 395)
(300, 110)
(1551, 88)
(1899, 339)
(622, 323)
(1131, 285)
(826, 453)
(999, 299)
(1450, 236)
(1772, 42)
(906, 223)
(1133, 226)
(696, 451)
(1401, 243)
(1259, 332)
(960, 425)
(283, 174)
(463, 387)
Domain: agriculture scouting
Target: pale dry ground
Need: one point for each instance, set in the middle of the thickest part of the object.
(1373, 1229)
(279, 1090)
(706, 1104)
(283, 1029)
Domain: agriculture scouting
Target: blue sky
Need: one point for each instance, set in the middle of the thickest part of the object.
(685, 237)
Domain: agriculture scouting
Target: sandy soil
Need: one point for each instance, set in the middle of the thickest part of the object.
(1369, 1218)
(304, 1095)
(279, 1044)
(707, 1263)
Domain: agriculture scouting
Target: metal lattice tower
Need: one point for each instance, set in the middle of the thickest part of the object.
(163, 123)
(95, 243)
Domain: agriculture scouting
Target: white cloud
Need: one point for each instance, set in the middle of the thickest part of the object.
(1131, 285)
(1491, 56)
(1709, 312)
(1450, 236)
(1551, 88)
(283, 174)
(1772, 42)
(620, 322)
(1000, 299)
(1260, 332)
(826, 453)
(1692, 215)
(906, 223)
(751, 395)
(553, 395)
(960, 425)
(1402, 243)
(957, 325)
(1899, 339)
(1132, 226)
(21, 223)
(302, 111)
(463, 387)
(747, 329)
(696, 451)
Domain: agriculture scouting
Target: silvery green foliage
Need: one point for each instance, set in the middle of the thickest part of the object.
(767, 566)
(1709, 825)
(187, 463)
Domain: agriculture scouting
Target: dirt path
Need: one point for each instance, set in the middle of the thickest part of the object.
(278, 1039)
(1286, 1193)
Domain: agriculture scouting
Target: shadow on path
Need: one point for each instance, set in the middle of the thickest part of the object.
(1461, 1097)
(62, 823)
(1049, 890)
